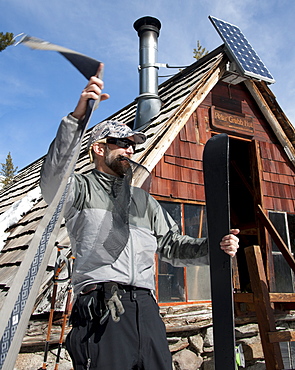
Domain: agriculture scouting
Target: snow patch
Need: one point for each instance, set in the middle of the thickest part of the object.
(16, 212)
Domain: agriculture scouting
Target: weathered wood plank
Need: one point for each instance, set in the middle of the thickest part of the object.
(274, 297)
(265, 317)
(281, 336)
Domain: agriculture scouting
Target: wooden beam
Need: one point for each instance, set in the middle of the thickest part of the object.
(277, 238)
(244, 297)
(264, 314)
(281, 336)
(272, 120)
(282, 297)
(273, 297)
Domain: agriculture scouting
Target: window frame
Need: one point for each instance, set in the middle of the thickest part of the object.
(278, 259)
(186, 301)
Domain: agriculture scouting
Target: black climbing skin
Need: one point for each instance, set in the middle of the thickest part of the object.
(216, 179)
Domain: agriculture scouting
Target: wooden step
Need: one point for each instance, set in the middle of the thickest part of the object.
(281, 336)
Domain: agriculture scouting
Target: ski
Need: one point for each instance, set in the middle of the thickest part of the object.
(20, 300)
(216, 180)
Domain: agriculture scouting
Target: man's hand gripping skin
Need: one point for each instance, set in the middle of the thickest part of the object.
(230, 243)
(93, 90)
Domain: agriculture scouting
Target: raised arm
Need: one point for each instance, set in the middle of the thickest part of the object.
(67, 139)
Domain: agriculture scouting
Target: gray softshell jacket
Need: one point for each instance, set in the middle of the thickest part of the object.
(89, 206)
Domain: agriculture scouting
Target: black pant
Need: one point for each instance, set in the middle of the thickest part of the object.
(137, 342)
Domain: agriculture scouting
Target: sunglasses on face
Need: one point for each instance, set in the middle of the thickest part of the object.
(122, 143)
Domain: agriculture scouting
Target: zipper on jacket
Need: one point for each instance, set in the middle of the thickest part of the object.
(132, 275)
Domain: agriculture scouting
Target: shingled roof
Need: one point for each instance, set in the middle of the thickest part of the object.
(181, 95)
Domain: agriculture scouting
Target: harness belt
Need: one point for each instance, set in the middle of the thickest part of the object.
(99, 300)
(121, 287)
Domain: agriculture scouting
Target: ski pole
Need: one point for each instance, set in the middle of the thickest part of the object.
(60, 260)
(57, 270)
(64, 322)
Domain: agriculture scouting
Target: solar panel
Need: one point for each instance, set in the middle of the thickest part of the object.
(241, 51)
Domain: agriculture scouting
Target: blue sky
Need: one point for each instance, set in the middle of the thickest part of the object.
(37, 87)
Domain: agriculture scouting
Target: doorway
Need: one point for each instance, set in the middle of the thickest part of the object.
(243, 195)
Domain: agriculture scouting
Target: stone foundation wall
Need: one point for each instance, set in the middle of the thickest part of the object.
(190, 351)
(193, 351)
(189, 335)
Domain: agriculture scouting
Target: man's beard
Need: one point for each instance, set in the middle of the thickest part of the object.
(119, 165)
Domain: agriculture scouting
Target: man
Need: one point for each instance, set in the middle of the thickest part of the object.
(115, 230)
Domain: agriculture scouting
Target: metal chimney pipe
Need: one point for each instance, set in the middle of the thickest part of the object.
(148, 102)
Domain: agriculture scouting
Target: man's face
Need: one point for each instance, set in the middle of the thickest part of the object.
(116, 158)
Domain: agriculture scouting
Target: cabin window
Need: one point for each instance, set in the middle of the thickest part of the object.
(285, 226)
(184, 284)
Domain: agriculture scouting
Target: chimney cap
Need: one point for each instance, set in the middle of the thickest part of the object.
(147, 23)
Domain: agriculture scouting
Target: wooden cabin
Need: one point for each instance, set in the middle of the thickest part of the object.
(199, 102)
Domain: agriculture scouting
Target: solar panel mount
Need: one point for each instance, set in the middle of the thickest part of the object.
(241, 52)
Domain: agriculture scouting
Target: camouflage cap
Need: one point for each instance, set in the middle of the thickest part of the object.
(114, 129)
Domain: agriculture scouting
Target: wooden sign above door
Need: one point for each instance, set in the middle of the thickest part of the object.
(231, 123)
